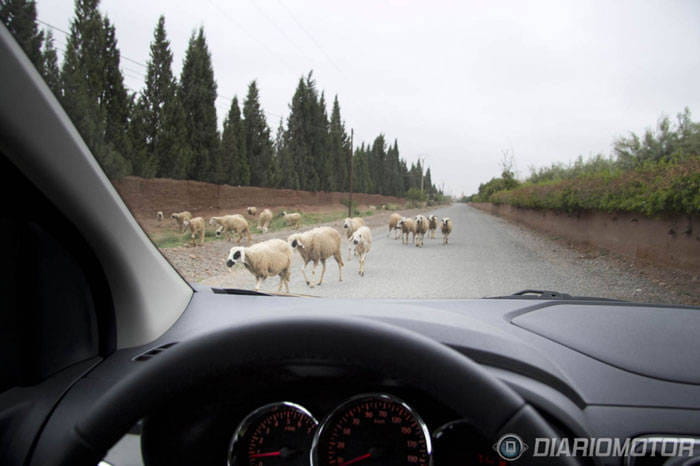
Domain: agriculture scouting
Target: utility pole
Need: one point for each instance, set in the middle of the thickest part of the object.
(352, 135)
(422, 171)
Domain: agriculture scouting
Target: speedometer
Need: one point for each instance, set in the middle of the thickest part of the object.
(274, 434)
(374, 429)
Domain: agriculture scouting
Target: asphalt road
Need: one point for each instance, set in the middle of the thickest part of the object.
(486, 256)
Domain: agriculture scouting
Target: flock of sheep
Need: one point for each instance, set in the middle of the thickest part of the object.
(274, 257)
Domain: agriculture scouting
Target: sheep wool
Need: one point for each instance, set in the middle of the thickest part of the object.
(264, 260)
(316, 246)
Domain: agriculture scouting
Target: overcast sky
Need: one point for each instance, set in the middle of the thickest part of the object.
(455, 82)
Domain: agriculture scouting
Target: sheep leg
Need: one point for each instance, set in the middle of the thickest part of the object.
(350, 251)
(303, 272)
(258, 282)
(323, 271)
(362, 264)
(339, 261)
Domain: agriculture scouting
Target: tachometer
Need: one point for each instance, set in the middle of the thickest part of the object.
(374, 429)
(274, 434)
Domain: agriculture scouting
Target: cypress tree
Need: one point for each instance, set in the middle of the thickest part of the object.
(19, 16)
(338, 147)
(198, 97)
(233, 152)
(258, 145)
(90, 87)
(49, 68)
(295, 144)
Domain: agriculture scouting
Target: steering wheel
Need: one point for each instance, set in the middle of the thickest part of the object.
(425, 364)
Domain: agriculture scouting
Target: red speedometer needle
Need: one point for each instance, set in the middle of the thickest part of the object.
(356, 460)
(263, 455)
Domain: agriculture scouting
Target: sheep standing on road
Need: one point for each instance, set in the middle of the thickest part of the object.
(293, 219)
(362, 239)
(432, 225)
(197, 228)
(264, 220)
(159, 216)
(351, 225)
(394, 220)
(264, 260)
(316, 246)
(252, 211)
(180, 218)
(446, 228)
(422, 225)
(231, 224)
(407, 226)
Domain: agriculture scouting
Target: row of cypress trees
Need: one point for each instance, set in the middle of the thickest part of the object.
(169, 128)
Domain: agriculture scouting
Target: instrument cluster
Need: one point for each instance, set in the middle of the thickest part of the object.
(367, 429)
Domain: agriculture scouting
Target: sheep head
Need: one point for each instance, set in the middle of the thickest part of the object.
(235, 256)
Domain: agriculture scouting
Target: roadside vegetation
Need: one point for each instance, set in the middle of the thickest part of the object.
(655, 173)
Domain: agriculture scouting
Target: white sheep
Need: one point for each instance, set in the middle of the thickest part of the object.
(394, 220)
(264, 260)
(316, 246)
(231, 224)
(432, 225)
(422, 226)
(252, 211)
(446, 228)
(264, 220)
(351, 225)
(362, 239)
(407, 226)
(197, 227)
(293, 219)
(159, 216)
(180, 218)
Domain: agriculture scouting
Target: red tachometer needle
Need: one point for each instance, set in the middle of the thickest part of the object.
(355, 460)
(263, 455)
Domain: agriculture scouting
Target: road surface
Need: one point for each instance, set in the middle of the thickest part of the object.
(486, 256)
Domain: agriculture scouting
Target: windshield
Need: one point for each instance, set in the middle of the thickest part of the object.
(393, 149)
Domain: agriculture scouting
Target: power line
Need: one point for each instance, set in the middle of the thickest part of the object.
(279, 29)
(298, 23)
(255, 39)
(63, 31)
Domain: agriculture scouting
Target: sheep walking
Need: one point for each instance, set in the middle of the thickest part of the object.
(180, 218)
(316, 246)
(252, 211)
(407, 226)
(394, 220)
(446, 228)
(159, 216)
(422, 226)
(293, 219)
(362, 239)
(197, 228)
(351, 225)
(264, 260)
(230, 225)
(432, 225)
(264, 220)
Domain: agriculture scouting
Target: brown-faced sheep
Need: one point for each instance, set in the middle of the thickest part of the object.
(446, 228)
(252, 211)
(264, 220)
(432, 225)
(264, 260)
(180, 218)
(394, 220)
(422, 226)
(292, 220)
(316, 246)
(231, 224)
(407, 226)
(197, 228)
(362, 239)
(351, 225)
